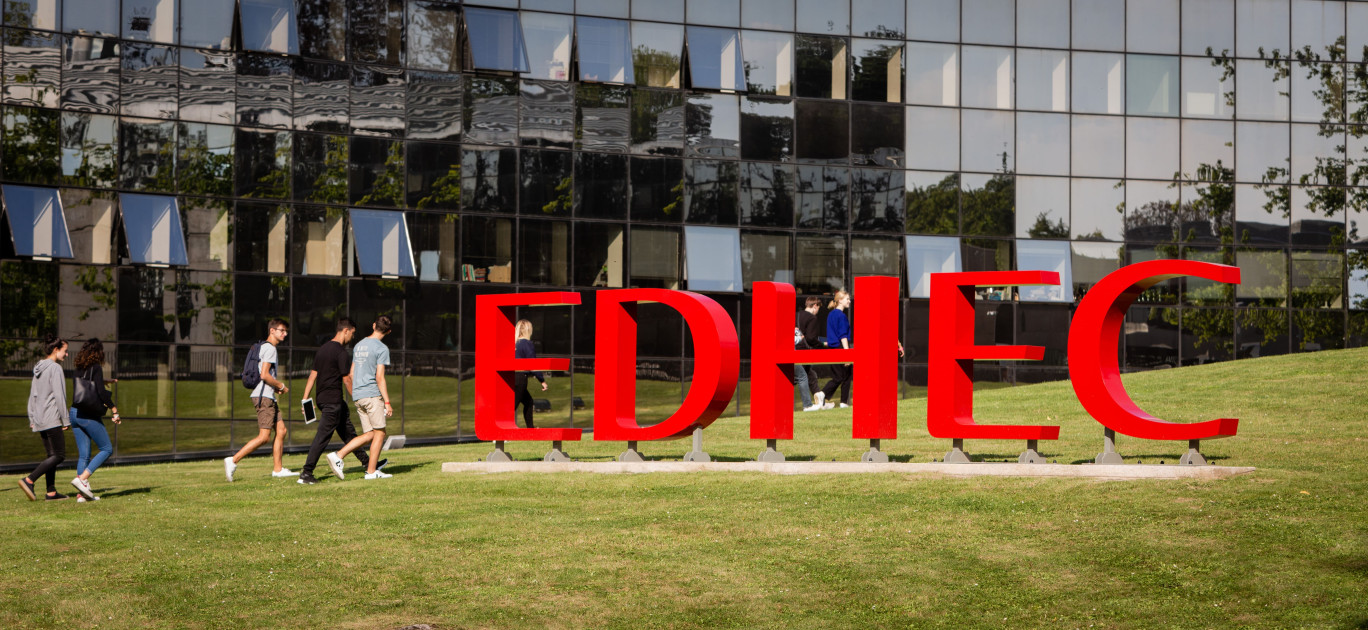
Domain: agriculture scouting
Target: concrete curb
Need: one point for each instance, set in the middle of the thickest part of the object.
(1084, 471)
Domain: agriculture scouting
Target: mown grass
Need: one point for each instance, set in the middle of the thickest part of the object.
(175, 546)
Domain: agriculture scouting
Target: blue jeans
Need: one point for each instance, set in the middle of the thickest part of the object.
(800, 381)
(87, 431)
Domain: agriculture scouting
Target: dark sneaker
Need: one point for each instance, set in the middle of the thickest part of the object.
(27, 488)
(381, 464)
(306, 479)
(55, 497)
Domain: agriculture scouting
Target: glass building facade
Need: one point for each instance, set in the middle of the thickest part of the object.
(177, 172)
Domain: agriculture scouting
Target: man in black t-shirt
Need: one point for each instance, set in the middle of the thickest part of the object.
(332, 372)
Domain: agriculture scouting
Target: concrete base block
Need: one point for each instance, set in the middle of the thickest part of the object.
(631, 454)
(556, 454)
(957, 454)
(771, 453)
(1193, 457)
(874, 455)
(1031, 455)
(498, 454)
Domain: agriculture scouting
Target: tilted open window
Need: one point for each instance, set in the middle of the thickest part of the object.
(152, 228)
(37, 224)
(269, 26)
(496, 40)
(382, 243)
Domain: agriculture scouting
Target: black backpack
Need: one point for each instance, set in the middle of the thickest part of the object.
(251, 370)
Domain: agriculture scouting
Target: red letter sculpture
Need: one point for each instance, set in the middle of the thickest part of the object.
(1093, 342)
(717, 363)
(875, 356)
(951, 353)
(495, 365)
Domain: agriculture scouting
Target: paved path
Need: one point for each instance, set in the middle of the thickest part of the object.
(1087, 471)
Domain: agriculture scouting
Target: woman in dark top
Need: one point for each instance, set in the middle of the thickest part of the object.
(87, 416)
(525, 350)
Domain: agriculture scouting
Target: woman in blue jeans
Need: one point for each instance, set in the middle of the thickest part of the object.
(87, 416)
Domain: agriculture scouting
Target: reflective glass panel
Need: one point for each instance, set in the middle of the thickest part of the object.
(932, 202)
(876, 201)
(434, 36)
(90, 146)
(376, 32)
(150, 20)
(269, 26)
(434, 104)
(829, 17)
(152, 229)
(1099, 24)
(1262, 214)
(382, 243)
(1208, 24)
(318, 241)
(713, 12)
(1152, 211)
(1151, 148)
(1152, 85)
(933, 138)
(660, 10)
(434, 176)
(31, 155)
(150, 77)
(1043, 143)
(821, 67)
(600, 254)
(1097, 209)
(1261, 27)
(1053, 256)
(715, 262)
(321, 93)
(657, 189)
(821, 264)
(320, 168)
(933, 20)
(377, 101)
(993, 21)
(1152, 26)
(769, 62)
(96, 17)
(1208, 92)
(656, 53)
(323, 28)
(988, 204)
(544, 252)
(1096, 140)
(765, 258)
(987, 77)
(147, 150)
(654, 257)
(877, 71)
(208, 85)
(42, 14)
(90, 73)
(1356, 31)
(1262, 152)
(1262, 92)
(1208, 152)
(775, 15)
(605, 50)
(1042, 23)
(548, 45)
(877, 138)
(263, 90)
(823, 197)
(715, 59)
(491, 110)
(767, 195)
(33, 68)
(607, 8)
(932, 74)
(927, 255)
(1263, 277)
(36, 221)
(657, 122)
(1317, 154)
(376, 172)
(713, 125)
(1098, 83)
(602, 118)
(601, 189)
(263, 164)
(826, 131)
(710, 189)
(877, 18)
(1043, 80)
(875, 257)
(767, 129)
(1092, 262)
(204, 159)
(546, 183)
(989, 139)
(487, 250)
(1042, 207)
(261, 233)
(547, 114)
(496, 40)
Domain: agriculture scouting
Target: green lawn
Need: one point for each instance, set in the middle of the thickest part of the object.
(175, 546)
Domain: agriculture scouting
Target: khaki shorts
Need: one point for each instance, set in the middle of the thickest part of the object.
(372, 413)
(268, 413)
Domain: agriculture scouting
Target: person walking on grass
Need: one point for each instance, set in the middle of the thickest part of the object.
(838, 336)
(88, 406)
(805, 338)
(524, 349)
(264, 399)
(48, 417)
(371, 395)
(332, 371)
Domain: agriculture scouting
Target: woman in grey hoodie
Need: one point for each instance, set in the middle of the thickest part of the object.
(48, 417)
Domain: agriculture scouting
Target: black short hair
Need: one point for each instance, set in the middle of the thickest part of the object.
(277, 323)
(345, 323)
(383, 323)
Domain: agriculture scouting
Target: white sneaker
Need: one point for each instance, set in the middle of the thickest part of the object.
(378, 474)
(335, 463)
(813, 408)
(844, 406)
(284, 472)
(84, 500)
(83, 487)
(829, 405)
(229, 467)
(818, 398)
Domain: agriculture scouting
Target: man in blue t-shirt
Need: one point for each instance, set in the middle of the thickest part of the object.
(371, 395)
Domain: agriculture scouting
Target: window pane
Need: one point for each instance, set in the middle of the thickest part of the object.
(491, 110)
(1261, 24)
(1097, 83)
(657, 189)
(876, 201)
(1208, 24)
(150, 20)
(824, 16)
(927, 255)
(434, 36)
(547, 114)
(376, 32)
(1207, 91)
(765, 258)
(204, 159)
(1152, 26)
(377, 101)
(90, 150)
(656, 53)
(496, 40)
(1043, 23)
(1046, 256)
(546, 183)
(36, 221)
(434, 104)
(660, 10)
(767, 129)
(487, 250)
(269, 26)
(1151, 148)
(988, 204)
(263, 89)
(1262, 152)
(43, 14)
(1097, 209)
(710, 189)
(775, 15)
(878, 18)
(769, 62)
(30, 153)
(933, 20)
(608, 8)
(989, 141)
(33, 65)
(90, 67)
(321, 94)
(1043, 80)
(1151, 211)
(715, 263)
(146, 165)
(382, 243)
(263, 164)
(434, 176)
(877, 138)
(489, 180)
(1043, 143)
(1208, 150)
(548, 45)
(933, 138)
(1095, 139)
(376, 173)
(1099, 24)
(320, 168)
(767, 194)
(932, 202)
(152, 229)
(605, 50)
(875, 257)
(877, 71)
(932, 74)
(208, 86)
(657, 122)
(97, 17)
(826, 131)
(821, 67)
(323, 29)
(992, 23)
(544, 253)
(1091, 262)
(713, 125)
(715, 59)
(1262, 215)
(987, 77)
(600, 250)
(1042, 207)
(602, 118)
(714, 12)
(318, 241)
(821, 264)
(654, 258)
(823, 197)
(1262, 92)
(1152, 85)
(150, 76)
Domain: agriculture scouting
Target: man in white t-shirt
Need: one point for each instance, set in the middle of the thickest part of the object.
(264, 400)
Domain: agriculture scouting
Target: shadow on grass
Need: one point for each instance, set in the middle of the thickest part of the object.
(396, 469)
(128, 492)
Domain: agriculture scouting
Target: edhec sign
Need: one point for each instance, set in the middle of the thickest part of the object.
(1094, 368)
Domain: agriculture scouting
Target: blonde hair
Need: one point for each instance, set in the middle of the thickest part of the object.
(524, 329)
(836, 299)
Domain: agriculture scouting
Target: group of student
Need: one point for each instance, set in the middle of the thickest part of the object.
(839, 335)
(337, 373)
